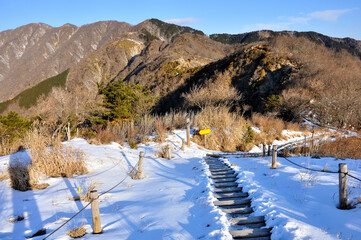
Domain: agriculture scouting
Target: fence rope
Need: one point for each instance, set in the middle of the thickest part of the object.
(129, 174)
(310, 169)
(318, 170)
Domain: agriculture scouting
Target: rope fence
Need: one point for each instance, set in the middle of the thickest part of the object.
(129, 174)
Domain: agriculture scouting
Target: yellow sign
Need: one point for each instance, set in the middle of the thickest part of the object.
(205, 131)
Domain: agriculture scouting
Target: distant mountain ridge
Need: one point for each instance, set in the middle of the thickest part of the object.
(351, 45)
(37, 51)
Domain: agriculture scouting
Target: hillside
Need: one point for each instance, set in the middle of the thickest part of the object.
(286, 74)
(37, 51)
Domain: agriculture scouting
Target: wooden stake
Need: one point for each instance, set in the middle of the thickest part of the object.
(183, 144)
(264, 149)
(274, 157)
(205, 141)
(97, 228)
(169, 152)
(140, 166)
(188, 132)
(342, 187)
(269, 150)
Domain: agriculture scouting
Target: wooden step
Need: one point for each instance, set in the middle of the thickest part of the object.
(222, 172)
(227, 190)
(230, 195)
(237, 210)
(219, 169)
(223, 176)
(250, 233)
(246, 220)
(216, 170)
(222, 180)
(232, 202)
(226, 184)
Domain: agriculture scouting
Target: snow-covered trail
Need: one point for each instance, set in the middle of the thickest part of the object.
(172, 202)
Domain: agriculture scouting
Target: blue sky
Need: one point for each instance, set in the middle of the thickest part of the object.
(337, 18)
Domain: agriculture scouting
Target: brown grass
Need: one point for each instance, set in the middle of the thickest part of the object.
(77, 232)
(161, 130)
(162, 150)
(213, 94)
(271, 128)
(342, 148)
(4, 175)
(58, 161)
(105, 136)
(90, 187)
(55, 161)
(229, 129)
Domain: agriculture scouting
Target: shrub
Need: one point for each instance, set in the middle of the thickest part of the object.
(273, 103)
(19, 176)
(271, 128)
(13, 126)
(229, 129)
(105, 136)
(160, 130)
(125, 101)
(133, 145)
(212, 95)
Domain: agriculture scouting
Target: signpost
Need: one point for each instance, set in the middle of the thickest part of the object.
(204, 132)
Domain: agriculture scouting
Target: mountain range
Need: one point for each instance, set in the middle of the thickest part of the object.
(171, 60)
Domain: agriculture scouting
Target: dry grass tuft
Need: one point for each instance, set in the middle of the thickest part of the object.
(271, 128)
(229, 129)
(105, 136)
(161, 130)
(213, 94)
(55, 161)
(16, 219)
(20, 176)
(77, 232)
(163, 150)
(91, 186)
(4, 175)
(58, 161)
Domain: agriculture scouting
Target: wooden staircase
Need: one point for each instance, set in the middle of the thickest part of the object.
(234, 202)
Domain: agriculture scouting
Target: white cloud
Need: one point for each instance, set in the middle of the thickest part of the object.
(182, 21)
(329, 15)
(286, 22)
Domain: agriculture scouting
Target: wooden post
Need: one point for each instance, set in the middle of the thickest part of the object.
(97, 228)
(183, 144)
(188, 132)
(205, 141)
(68, 132)
(342, 187)
(274, 157)
(264, 149)
(269, 150)
(140, 166)
(169, 152)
